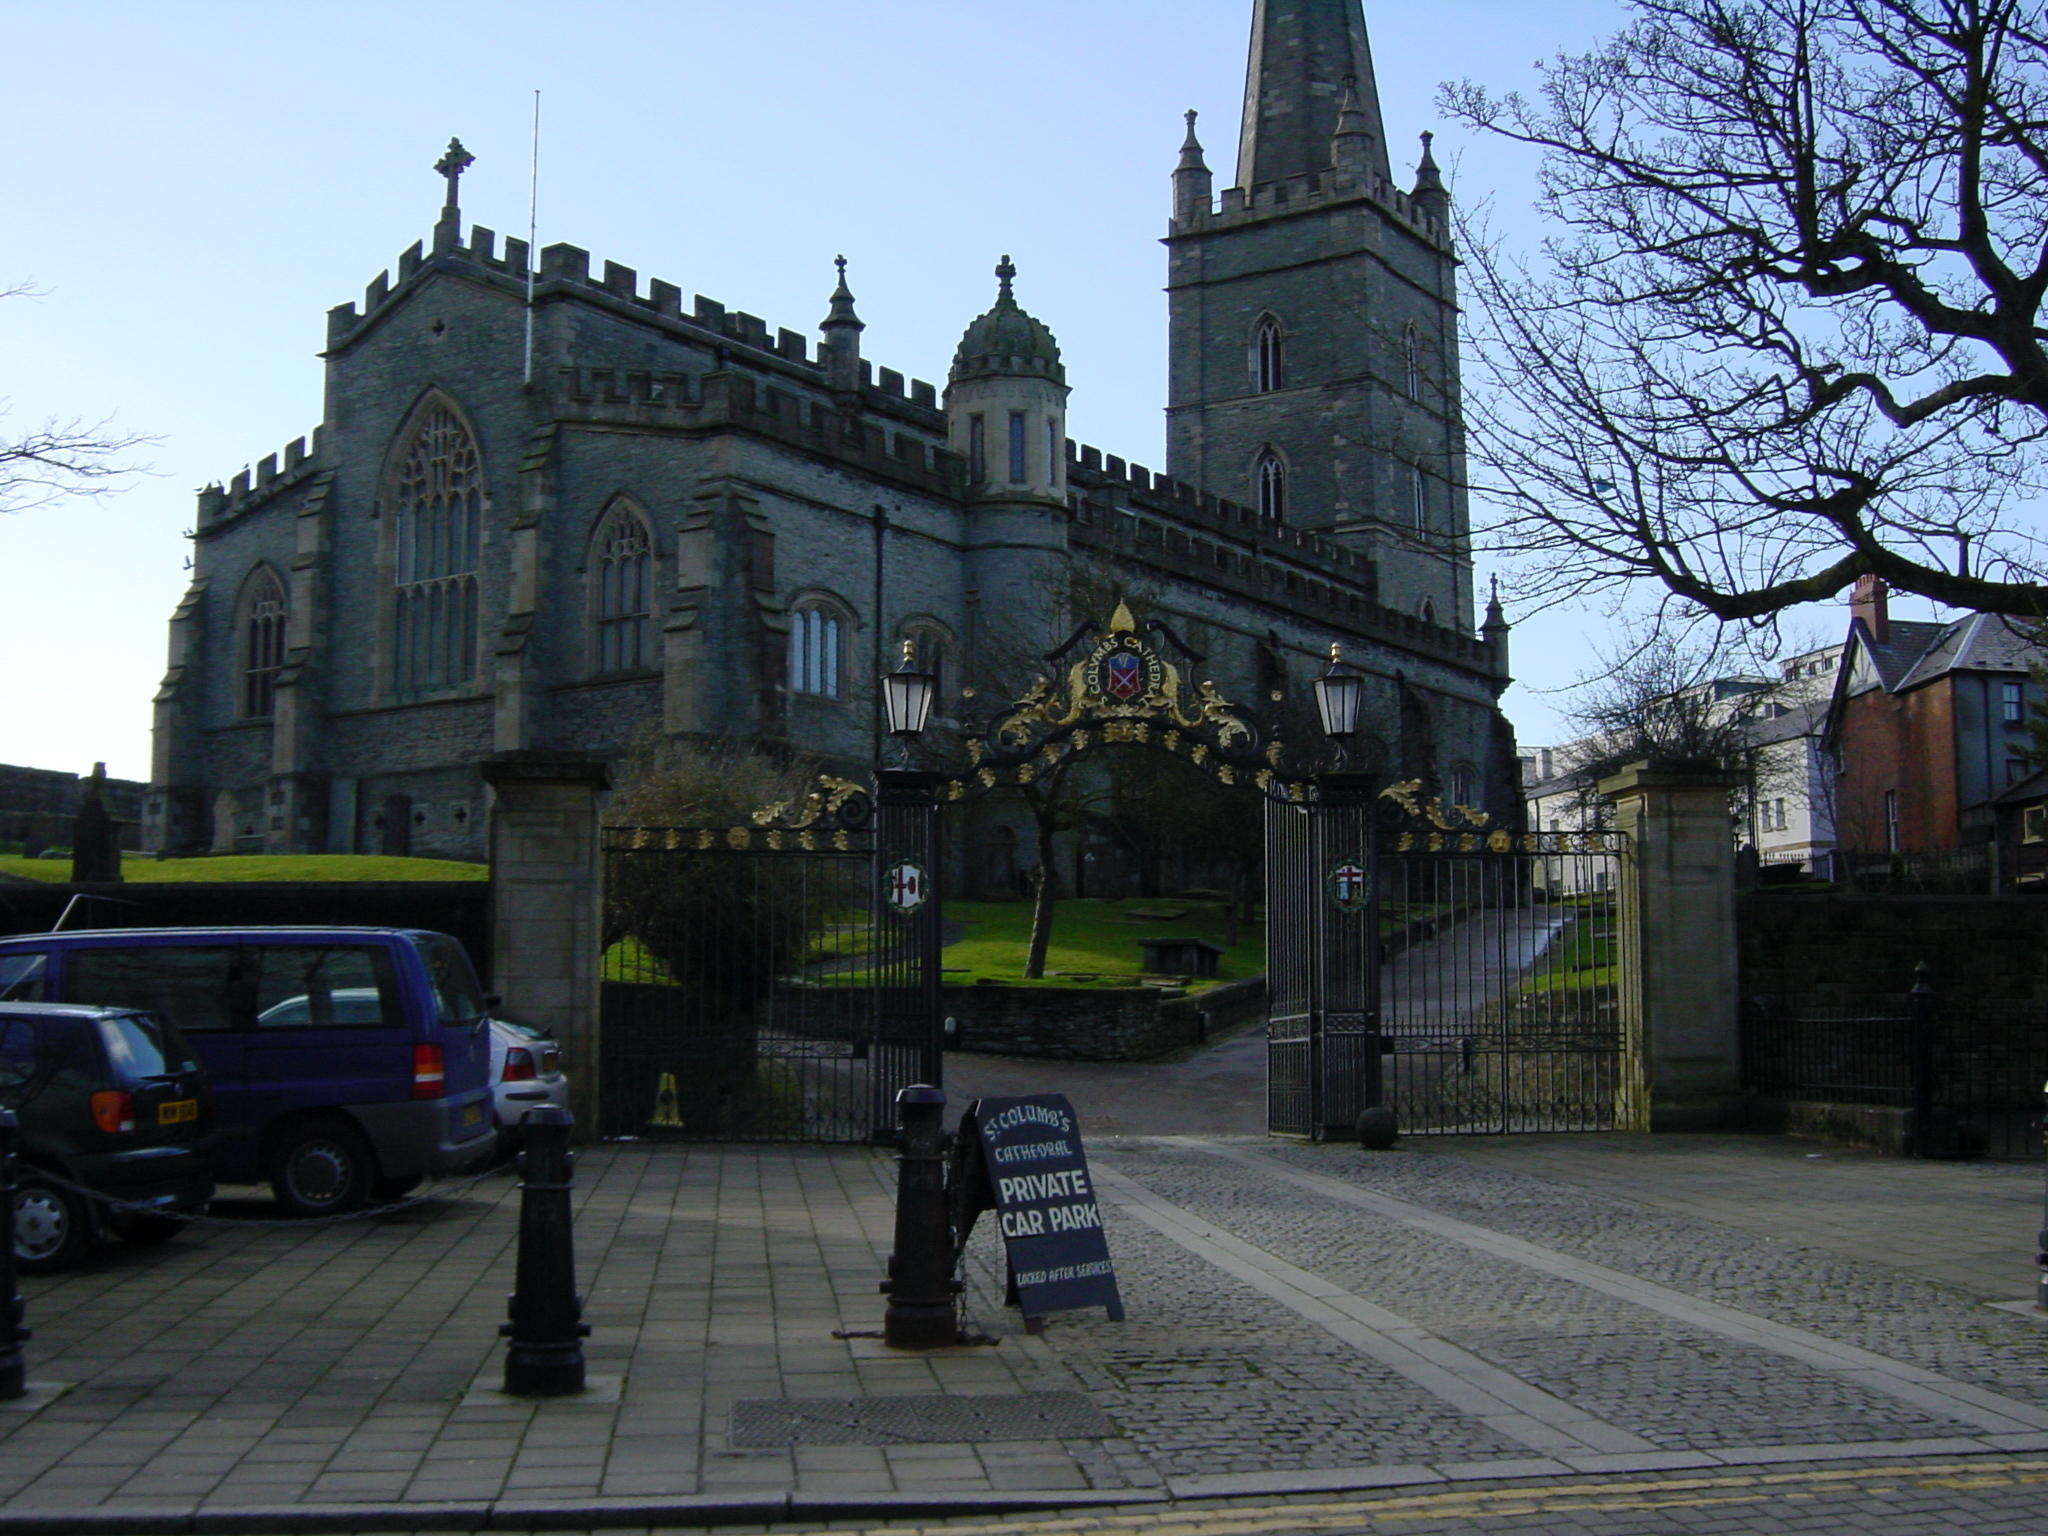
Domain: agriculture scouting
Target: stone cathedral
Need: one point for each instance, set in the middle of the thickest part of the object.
(683, 522)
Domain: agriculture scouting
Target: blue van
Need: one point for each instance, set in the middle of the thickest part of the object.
(347, 1063)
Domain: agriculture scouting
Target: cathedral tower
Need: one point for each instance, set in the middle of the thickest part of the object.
(1314, 368)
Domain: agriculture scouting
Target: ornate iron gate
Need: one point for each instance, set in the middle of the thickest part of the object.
(1505, 974)
(1322, 1035)
(780, 980)
(1469, 979)
(772, 982)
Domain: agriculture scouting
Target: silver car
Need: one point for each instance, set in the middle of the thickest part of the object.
(526, 1072)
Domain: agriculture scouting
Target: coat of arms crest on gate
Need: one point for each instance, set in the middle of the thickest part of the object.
(1350, 884)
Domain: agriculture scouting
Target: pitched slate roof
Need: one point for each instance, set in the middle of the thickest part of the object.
(1896, 657)
(1982, 642)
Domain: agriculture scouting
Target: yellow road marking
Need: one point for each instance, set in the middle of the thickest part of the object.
(1639, 1494)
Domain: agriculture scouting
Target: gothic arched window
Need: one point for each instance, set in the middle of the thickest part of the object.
(259, 627)
(439, 532)
(1411, 362)
(814, 649)
(1268, 360)
(1269, 476)
(929, 645)
(622, 572)
(1418, 496)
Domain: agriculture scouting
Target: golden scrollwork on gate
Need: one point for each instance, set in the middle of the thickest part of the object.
(1122, 684)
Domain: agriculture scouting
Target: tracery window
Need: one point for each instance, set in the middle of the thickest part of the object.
(439, 531)
(260, 627)
(1268, 360)
(814, 648)
(928, 653)
(1270, 480)
(622, 568)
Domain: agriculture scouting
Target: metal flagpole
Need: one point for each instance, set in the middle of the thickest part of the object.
(532, 233)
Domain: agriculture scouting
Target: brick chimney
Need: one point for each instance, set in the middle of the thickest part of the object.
(1867, 602)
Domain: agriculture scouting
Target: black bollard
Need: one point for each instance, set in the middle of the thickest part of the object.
(547, 1329)
(920, 1283)
(13, 1369)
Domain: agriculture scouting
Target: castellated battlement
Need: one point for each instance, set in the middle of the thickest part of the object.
(1126, 507)
(1295, 194)
(1135, 485)
(251, 488)
(705, 402)
(571, 265)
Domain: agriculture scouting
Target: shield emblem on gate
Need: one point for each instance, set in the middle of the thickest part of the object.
(903, 886)
(1124, 676)
(1350, 885)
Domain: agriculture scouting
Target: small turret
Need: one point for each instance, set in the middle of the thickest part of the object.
(1352, 147)
(1494, 632)
(1194, 188)
(842, 328)
(1430, 194)
(1006, 401)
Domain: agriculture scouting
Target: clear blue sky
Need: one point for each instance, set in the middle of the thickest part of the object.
(194, 184)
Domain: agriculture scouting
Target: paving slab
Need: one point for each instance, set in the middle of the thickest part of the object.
(1314, 1319)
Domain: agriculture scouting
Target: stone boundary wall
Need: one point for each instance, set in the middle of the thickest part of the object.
(1095, 1024)
(1986, 953)
(1986, 948)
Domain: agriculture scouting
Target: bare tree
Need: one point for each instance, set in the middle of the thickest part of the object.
(60, 459)
(1666, 696)
(1790, 330)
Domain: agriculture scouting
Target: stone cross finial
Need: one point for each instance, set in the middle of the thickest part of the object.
(1004, 274)
(452, 165)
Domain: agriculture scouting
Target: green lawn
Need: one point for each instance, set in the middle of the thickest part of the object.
(1094, 943)
(142, 869)
(1581, 955)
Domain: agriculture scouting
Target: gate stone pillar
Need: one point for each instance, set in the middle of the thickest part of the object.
(547, 903)
(1677, 941)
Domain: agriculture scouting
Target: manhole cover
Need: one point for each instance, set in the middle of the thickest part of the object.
(935, 1420)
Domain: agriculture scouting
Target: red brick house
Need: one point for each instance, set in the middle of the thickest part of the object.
(1927, 726)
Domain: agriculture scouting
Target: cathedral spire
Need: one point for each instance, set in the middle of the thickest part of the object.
(1301, 53)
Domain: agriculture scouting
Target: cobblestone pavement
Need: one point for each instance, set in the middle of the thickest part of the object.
(1302, 1321)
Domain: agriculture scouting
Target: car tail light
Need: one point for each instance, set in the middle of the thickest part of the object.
(518, 1066)
(113, 1111)
(429, 1072)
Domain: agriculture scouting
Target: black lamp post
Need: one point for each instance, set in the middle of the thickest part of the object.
(907, 695)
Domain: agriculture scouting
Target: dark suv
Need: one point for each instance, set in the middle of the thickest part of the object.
(110, 1099)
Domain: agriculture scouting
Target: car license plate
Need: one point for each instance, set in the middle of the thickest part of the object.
(550, 1063)
(472, 1114)
(177, 1111)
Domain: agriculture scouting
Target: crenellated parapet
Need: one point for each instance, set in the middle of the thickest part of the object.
(272, 475)
(1300, 194)
(727, 398)
(568, 269)
(1125, 509)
